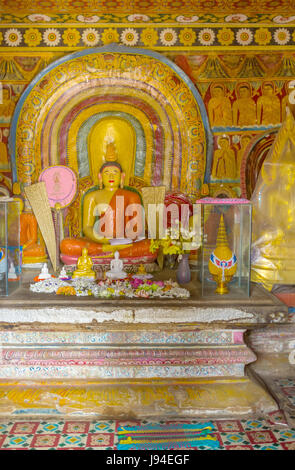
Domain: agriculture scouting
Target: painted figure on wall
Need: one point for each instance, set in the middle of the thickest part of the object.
(244, 108)
(268, 106)
(290, 95)
(7, 106)
(224, 162)
(219, 107)
(4, 161)
(244, 141)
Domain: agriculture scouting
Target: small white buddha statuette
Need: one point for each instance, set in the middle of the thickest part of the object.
(44, 273)
(11, 273)
(117, 268)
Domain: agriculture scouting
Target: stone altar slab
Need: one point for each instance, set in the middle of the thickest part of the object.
(134, 358)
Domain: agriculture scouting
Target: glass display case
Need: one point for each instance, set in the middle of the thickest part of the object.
(10, 250)
(226, 247)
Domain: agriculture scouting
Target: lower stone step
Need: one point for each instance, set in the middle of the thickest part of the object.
(135, 399)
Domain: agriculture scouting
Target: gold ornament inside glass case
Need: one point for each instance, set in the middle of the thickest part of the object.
(10, 250)
(226, 241)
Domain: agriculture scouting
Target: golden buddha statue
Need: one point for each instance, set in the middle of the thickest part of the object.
(113, 217)
(273, 239)
(244, 142)
(84, 266)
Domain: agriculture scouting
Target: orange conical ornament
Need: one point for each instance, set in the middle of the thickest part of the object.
(223, 262)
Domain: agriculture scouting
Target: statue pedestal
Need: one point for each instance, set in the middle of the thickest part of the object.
(137, 358)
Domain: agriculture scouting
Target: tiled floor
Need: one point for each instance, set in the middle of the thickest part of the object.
(275, 431)
(271, 433)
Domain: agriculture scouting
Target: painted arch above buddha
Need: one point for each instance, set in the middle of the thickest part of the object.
(137, 99)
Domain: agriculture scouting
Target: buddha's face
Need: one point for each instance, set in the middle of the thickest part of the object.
(224, 143)
(217, 92)
(268, 90)
(244, 92)
(111, 177)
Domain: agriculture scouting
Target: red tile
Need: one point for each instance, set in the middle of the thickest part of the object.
(100, 440)
(24, 427)
(45, 440)
(229, 425)
(288, 445)
(261, 437)
(239, 447)
(72, 427)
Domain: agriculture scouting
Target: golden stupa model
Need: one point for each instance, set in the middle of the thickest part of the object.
(223, 262)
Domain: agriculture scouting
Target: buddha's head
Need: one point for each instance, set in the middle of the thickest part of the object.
(244, 92)
(268, 89)
(217, 91)
(111, 176)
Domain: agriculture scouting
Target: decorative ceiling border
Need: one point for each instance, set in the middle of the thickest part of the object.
(153, 18)
(155, 37)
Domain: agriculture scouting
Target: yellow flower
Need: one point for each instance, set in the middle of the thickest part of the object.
(149, 37)
(71, 37)
(32, 37)
(187, 36)
(110, 35)
(262, 36)
(225, 36)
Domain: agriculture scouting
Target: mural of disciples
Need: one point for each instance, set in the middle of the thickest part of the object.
(268, 105)
(288, 100)
(244, 108)
(219, 107)
(7, 105)
(224, 160)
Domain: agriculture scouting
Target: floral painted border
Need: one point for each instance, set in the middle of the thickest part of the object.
(147, 36)
(154, 18)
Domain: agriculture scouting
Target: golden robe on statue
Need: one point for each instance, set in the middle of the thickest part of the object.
(273, 238)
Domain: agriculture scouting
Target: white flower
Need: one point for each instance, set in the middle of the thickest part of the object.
(187, 19)
(88, 19)
(282, 36)
(13, 37)
(129, 37)
(138, 17)
(206, 37)
(168, 37)
(283, 19)
(236, 18)
(38, 18)
(51, 37)
(244, 36)
(90, 37)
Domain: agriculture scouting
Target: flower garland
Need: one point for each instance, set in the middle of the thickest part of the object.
(131, 288)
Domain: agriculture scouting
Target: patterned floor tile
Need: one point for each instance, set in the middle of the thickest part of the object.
(234, 438)
(254, 424)
(277, 417)
(76, 427)
(72, 440)
(261, 437)
(24, 428)
(45, 440)
(288, 445)
(100, 440)
(239, 447)
(130, 423)
(17, 442)
(49, 428)
(102, 426)
(229, 426)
